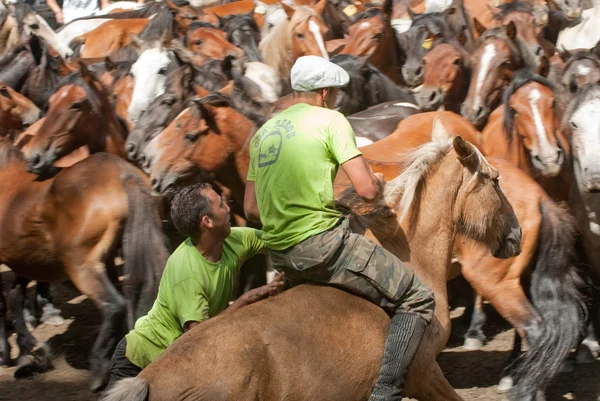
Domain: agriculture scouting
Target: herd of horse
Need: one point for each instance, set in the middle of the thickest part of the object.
(481, 115)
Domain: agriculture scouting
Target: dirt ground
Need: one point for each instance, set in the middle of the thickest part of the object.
(473, 374)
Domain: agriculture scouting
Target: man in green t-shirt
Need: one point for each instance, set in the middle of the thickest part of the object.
(294, 159)
(197, 282)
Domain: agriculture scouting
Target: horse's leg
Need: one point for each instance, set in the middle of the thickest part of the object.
(50, 314)
(4, 346)
(474, 339)
(32, 356)
(91, 279)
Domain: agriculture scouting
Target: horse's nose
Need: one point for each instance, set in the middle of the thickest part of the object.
(560, 157)
(131, 150)
(155, 183)
(419, 72)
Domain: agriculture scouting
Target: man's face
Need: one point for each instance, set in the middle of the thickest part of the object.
(220, 213)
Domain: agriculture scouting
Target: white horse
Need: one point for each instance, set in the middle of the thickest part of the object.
(262, 82)
(584, 35)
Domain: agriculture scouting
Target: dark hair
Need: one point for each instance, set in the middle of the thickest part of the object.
(188, 208)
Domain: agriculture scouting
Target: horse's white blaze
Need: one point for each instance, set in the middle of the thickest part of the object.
(364, 25)
(547, 151)
(313, 27)
(78, 28)
(149, 83)
(488, 54)
(583, 70)
(52, 38)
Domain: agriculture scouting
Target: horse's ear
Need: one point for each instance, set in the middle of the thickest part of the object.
(336, 50)
(110, 65)
(288, 10)
(172, 6)
(251, 13)
(320, 6)
(479, 28)
(467, 154)
(387, 9)
(564, 54)
(35, 46)
(439, 133)
(87, 76)
(511, 30)
(411, 13)
(462, 37)
(136, 41)
(221, 20)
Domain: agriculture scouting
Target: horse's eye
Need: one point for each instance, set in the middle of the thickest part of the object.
(198, 42)
(378, 36)
(77, 106)
(168, 102)
(300, 35)
(457, 61)
(191, 136)
(35, 27)
(162, 71)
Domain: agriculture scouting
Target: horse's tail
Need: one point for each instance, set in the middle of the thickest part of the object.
(130, 389)
(76, 44)
(555, 293)
(144, 246)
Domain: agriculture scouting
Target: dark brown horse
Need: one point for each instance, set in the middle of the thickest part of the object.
(60, 229)
(80, 114)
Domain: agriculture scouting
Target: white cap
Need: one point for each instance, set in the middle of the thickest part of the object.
(310, 73)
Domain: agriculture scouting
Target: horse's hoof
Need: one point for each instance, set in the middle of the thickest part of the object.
(472, 344)
(43, 357)
(506, 383)
(26, 367)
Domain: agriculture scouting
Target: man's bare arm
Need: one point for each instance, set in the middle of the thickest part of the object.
(250, 204)
(367, 185)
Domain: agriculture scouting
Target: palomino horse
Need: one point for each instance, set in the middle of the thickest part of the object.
(80, 114)
(436, 195)
(371, 35)
(524, 130)
(446, 78)
(58, 230)
(16, 112)
(496, 58)
(300, 35)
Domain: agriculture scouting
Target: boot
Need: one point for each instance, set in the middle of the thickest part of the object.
(401, 344)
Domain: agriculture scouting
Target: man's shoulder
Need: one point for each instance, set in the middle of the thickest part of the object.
(240, 234)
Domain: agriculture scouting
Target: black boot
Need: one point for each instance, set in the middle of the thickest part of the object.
(401, 344)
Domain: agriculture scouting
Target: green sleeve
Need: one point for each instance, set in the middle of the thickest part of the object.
(341, 140)
(252, 242)
(191, 303)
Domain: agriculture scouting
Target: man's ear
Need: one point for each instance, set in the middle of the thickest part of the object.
(207, 221)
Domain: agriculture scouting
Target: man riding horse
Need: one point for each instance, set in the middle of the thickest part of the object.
(294, 159)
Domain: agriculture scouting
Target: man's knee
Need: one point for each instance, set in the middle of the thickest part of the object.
(419, 300)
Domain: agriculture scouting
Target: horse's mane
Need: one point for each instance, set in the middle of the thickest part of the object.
(234, 22)
(520, 79)
(277, 44)
(515, 6)
(9, 153)
(400, 192)
(587, 93)
(161, 24)
(370, 12)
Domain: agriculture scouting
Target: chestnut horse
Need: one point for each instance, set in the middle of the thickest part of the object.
(16, 112)
(80, 114)
(108, 37)
(300, 35)
(446, 78)
(436, 194)
(59, 229)
(206, 41)
(525, 131)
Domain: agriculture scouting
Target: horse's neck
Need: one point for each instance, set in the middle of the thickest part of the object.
(109, 135)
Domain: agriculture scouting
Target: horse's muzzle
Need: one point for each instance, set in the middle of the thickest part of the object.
(511, 245)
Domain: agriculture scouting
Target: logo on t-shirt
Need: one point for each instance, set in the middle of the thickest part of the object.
(271, 142)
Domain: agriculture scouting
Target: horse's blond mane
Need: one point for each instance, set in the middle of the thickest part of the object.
(277, 45)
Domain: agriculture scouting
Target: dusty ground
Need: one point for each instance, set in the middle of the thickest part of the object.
(472, 373)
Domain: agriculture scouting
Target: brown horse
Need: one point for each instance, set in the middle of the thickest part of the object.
(446, 78)
(300, 35)
(525, 132)
(372, 36)
(495, 59)
(436, 195)
(58, 230)
(206, 42)
(16, 111)
(80, 114)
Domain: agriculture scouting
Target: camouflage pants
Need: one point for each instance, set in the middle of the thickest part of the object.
(356, 264)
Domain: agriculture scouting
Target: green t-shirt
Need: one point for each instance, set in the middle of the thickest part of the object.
(191, 289)
(294, 159)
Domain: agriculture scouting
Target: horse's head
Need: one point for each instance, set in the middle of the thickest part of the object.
(481, 211)
(351, 98)
(582, 68)
(16, 111)
(206, 42)
(306, 30)
(494, 61)
(243, 32)
(370, 29)
(531, 113)
(199, 149)
(569, 9)
(584, 125)
(444, 70)
(33, 24)
(71, 121)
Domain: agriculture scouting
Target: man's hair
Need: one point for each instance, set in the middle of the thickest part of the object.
(188, 208)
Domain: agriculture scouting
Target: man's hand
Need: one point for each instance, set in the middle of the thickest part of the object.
(266, 290)
(59, 17)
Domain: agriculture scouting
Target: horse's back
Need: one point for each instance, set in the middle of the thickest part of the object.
(302, 344)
